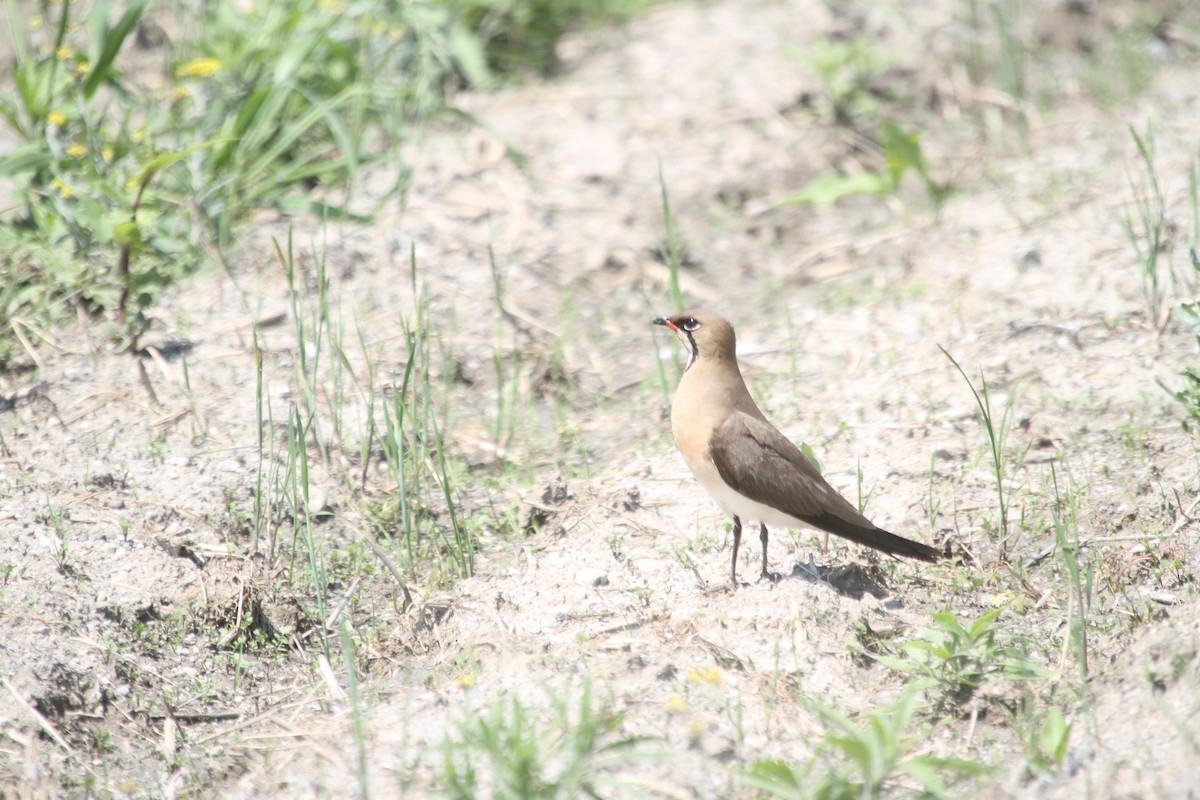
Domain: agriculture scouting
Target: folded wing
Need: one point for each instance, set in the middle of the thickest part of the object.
(759, 462)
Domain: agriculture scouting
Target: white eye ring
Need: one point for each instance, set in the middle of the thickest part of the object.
(690, 324)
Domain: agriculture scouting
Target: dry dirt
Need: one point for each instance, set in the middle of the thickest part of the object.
(124, 498)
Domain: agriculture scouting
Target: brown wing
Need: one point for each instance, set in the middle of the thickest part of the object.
(759, 462)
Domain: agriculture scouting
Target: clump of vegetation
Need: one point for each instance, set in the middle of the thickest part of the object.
(863, 759)
(847, 71)
(958, 659)
(495, 38)
(1188, 394)
(136, 162)
(507, 751)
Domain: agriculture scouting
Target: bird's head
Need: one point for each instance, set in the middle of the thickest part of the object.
(706, 334)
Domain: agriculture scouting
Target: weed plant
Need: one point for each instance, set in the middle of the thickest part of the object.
(958, 659)
(1146, 227)
(847, 70)
(508, 751)
(135, 164)
(863, 759)
(1065, 511)
(997, 437)
(1188, 394)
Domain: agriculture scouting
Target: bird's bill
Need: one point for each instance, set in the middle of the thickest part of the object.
(679, 332)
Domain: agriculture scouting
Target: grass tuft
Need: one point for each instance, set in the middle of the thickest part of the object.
(1146, 227)
(863, 760)
(997, 436)
(509, 751)
(133, 168)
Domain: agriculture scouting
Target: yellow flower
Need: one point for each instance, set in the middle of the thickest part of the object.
(62, 187)
(466, 681)
(676, 704)
(180, 93)
(712, 677)
(131, 184)
(35, 22)
(76, 150)
(106, 153)
(138, 135)
(83, 68)
(64, 54)
(56, 118)
(199, 68)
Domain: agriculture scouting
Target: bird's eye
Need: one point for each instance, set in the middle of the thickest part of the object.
(690, 324)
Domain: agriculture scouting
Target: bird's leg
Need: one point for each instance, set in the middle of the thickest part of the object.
(737, 540)
(762, 537)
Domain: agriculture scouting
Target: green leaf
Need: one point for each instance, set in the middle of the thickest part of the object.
(88, 211)
(1189, 315)
(102, 64)
(901, 150)
(294, 131)
(1055, 736)
(982, 624)
(127, 234)
(925, 772)
(776, 777)
(470, 57)
(26, 158)
(162, 162)
(829, 189)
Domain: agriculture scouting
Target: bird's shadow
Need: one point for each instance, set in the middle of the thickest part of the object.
(851, 580)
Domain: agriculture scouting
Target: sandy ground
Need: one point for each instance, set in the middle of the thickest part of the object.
(127, 487)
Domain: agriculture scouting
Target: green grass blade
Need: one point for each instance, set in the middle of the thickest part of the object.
(102, 68)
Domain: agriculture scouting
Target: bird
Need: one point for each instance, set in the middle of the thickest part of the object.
(752, 470)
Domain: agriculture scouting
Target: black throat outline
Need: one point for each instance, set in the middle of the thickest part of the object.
(695, 351)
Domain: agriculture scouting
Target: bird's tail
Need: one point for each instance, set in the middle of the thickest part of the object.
(877, 538)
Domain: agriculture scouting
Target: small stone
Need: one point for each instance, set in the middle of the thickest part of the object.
(1027, 258)
(318, 502)
(632, 500)
(531, 518)
(556, 493)
(591, 577)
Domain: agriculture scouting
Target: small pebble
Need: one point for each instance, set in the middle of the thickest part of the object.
(318, 502)
(591, 577)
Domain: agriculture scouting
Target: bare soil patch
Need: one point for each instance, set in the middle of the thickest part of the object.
(152, 648)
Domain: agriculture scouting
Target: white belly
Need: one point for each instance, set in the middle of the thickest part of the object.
(743, 507)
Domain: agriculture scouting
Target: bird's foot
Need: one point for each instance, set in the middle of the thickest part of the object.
(771, 577)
